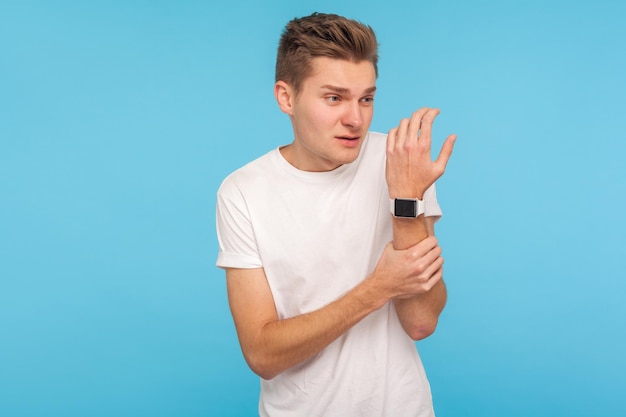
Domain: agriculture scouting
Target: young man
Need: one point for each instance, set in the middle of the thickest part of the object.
(327, 287)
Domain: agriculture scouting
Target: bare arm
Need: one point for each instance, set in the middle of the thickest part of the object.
(419, 313)
(410, 172)
(405, 273)
(271, 345)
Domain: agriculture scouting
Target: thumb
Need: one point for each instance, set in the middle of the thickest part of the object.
(446, 152)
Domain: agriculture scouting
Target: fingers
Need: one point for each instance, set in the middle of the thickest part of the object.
(409, 128)
(423, 255)
(411, 271)
(424, 118)
(415, 122)
(410, 169)
(434, 279)
(445, 153)
(423, 247)
(426, 125)
(432, 268)
(401, 134)
(427, 264)
(417, 128)
(391, 140)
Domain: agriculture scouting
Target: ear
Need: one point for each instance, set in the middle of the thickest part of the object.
(285, 95)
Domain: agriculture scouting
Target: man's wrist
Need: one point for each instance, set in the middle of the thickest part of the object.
(406, 193)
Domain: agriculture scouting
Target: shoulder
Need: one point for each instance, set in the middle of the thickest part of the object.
(248, 175)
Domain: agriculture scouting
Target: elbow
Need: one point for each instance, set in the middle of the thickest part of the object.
(261, 365)
(421, 331)
(266, 374)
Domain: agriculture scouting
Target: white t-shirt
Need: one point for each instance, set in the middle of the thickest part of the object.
(317, 235)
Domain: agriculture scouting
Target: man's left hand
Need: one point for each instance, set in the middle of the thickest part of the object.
(410, 169)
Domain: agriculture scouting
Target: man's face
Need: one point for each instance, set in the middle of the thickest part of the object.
(331, 114)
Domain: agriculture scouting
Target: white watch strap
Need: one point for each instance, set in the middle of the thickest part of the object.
(421, 207)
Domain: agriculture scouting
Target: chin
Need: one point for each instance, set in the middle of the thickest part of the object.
(348, 159)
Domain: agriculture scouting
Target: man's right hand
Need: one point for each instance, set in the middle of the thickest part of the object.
(407, 272)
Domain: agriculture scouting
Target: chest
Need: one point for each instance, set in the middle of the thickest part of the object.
(318, 241)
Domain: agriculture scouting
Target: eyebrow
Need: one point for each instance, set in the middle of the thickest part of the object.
(345, 91)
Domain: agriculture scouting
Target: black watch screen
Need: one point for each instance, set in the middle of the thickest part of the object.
(405, 208)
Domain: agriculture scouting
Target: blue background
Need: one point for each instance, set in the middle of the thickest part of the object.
(118, 121)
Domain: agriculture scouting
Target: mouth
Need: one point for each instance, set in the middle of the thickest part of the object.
(350, 138)
(349, 141)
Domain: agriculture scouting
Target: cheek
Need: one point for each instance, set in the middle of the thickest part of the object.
(329, 116)
(370, 112)
(321, 119)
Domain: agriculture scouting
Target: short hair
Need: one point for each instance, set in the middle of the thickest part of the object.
(322, 35)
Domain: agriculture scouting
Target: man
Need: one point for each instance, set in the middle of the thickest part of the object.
(325, 306)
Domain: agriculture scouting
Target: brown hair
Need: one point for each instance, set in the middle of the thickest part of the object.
(322, 35)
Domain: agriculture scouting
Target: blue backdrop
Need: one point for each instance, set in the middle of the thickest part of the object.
(119, 119)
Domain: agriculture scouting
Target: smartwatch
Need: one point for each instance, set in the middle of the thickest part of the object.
(409, 208)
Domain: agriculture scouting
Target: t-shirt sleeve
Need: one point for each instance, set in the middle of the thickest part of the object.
(431, 206)
(235, 234)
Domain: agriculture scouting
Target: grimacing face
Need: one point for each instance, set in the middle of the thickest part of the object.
(330, 115)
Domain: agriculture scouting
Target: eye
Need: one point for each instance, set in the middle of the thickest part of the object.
(333, 99)
(367, 100)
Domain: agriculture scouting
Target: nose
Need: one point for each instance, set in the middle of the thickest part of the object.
(353, 116)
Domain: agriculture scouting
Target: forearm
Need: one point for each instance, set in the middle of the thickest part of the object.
(419, 313)
(407, 232)
(280, 344)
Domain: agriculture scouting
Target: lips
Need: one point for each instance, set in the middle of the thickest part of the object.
(349, 141)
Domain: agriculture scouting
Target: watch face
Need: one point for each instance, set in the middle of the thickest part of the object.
(405, 208)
